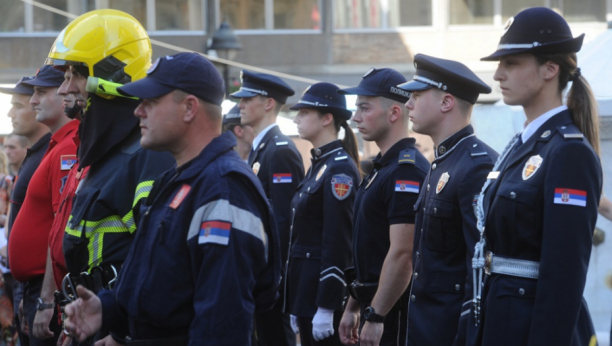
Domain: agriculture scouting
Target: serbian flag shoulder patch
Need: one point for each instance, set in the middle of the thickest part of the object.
(214, 232)
(406, 186)
(281, 178)
(570, 196)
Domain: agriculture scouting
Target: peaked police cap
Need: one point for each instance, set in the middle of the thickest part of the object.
(325, 98)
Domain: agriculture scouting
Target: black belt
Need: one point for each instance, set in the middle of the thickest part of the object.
(363, 291)
(174, 341)
(98, 278)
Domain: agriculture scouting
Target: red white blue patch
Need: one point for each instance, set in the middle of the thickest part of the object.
(406, 186)
(281, 178)
(214, 232)
(66, 161)
(570, 196)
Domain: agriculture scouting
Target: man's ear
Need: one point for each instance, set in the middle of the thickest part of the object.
(396, 113)
(238, 131)
(447, 103)
(190, 108)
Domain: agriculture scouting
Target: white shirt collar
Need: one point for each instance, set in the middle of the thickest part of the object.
(533, 126)
(261, 135)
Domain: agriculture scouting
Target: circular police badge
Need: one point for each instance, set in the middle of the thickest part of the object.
(531, 166)
(153, 66)
(321, 171)
(256, 166)
(508, 25)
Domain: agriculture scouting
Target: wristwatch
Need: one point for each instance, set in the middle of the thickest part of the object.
(370, 315)
(40, 305)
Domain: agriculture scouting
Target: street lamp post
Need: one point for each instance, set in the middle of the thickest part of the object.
(226, 44)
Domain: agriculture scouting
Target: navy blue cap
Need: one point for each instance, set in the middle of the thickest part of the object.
(47, 76)
(380, 82)
(324, 97)
(536, 30)
(446, 75)
(263, 84)
(233, 116)
(19, 88)
(189, 72)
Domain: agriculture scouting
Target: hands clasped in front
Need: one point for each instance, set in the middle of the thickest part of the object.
(84, 315)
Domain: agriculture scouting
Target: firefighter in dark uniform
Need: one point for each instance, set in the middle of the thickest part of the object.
(442, 95)
(280, 169)
(539, 205)
(207, 255)
(322, 207)
(383, 223)
(101, 226)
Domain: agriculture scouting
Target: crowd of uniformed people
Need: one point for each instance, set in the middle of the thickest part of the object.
(142, 216)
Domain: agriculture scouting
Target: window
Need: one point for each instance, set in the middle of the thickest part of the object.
(271, 14)
(583, 10)
(44, 20)
(179, 15)
(381, 14)
(512, 7)
(471, 12)
(12, 17)
(137, 8)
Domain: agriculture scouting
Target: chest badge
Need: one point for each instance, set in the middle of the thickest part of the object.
(256, 166)
(531, 166)
(180, 196)
(320, 173)
(371, 180)
(341, 186)
(442, 182)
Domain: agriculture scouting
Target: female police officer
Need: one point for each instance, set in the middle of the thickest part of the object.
(322, 217)
(539, 205)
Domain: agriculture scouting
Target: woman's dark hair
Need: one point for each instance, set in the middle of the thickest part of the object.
(350, 140)
(580, 99)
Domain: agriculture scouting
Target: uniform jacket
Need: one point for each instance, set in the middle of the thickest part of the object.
(206, 258)
(321, 232)
(279, 167)
(101, 226)
(385, 197)
(445, 235)
(543, 207)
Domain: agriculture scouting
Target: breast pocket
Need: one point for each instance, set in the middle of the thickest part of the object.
(518, 205)
(310, 200)
(442, 232)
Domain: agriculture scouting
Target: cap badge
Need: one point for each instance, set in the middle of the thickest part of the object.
(153, 66)
(442, 182)
(508, 25)
(369, 72)
(531, 166)
(256, 166)
(321, 171)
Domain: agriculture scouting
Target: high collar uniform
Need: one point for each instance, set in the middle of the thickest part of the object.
(321, 232)
(445, 235)
(207, 256)
(542, 207)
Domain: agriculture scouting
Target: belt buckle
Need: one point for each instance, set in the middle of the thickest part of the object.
(488, 262)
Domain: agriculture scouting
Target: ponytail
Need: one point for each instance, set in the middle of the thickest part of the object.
(350, 142)
(580, 99)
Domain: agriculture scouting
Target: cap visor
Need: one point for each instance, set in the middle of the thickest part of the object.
(41, 83)
(17, 90)
(414, 85)
(243, 94)
(357, 91)
(146, 88)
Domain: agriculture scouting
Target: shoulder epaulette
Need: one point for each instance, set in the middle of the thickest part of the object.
(477, 150)
(340, 158)
(570, 132)
(407, 156)
(282, 143)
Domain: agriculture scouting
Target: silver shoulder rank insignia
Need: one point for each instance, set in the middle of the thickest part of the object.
(320, 173)
(442, 182)
(371, 180)
(531, 166)
(256, 166)
(341, 186)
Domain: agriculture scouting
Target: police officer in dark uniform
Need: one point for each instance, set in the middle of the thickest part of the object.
(539, 205)
(383, 225)
(440, 105)
(244, 133)
(207, 256)
(322, 207)
(279, 167)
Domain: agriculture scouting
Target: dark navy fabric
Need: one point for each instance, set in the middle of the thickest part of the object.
(321, 233)
(175, 282)
(47, 76)
(524, 221)
(445, 236)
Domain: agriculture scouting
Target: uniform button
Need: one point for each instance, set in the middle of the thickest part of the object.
(513, 195)
(427, 187)
(412, 298)
(435, 210)
(423, 209)
(308, 255)
(433, 167)
(308, 189)
(457, 287)
(318, 152)
(418, 254)
(521, 291)
(475, 145)
(563, 127)
(416, 275)
(301, 194)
